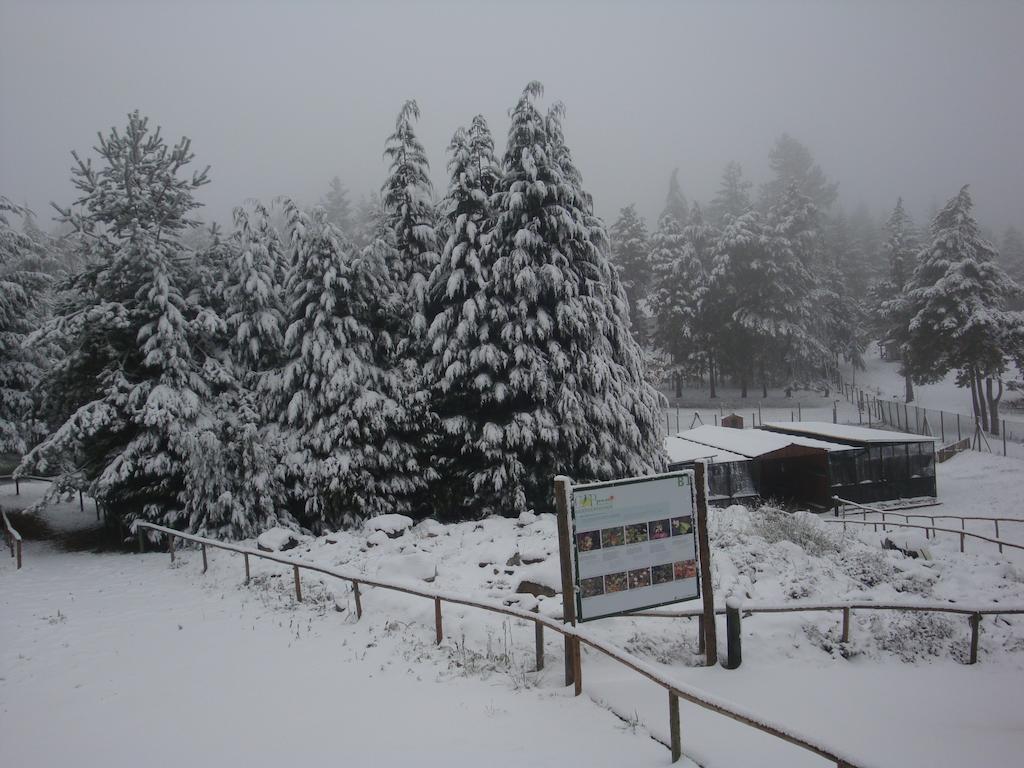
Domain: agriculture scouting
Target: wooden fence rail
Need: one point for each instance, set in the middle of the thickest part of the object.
(932, 529)
(973, 613)
(13, 538)
(575, 634)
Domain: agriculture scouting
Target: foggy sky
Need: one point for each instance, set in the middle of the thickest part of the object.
(911, 99)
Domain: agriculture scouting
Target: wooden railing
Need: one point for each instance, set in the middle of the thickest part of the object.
(13, 538)
(973, 613)
(864, 511)
(574, 634)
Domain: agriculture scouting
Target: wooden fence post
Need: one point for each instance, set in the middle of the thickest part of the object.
(205, 564)
(17, 548)
(704, 556)
(562, 487)
(942, 425)
(673, 727)
(246, 556)
(81, 501)
(359, 602)
(577, 664)
(17, 487)
(975, 621)
(997, 536)
(733, 634)
(170, 545)
(846, 625)
(962, 521)
(298, 586)
(439, 635)
(538, 639)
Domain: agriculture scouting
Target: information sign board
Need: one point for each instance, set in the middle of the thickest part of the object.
(634, 544)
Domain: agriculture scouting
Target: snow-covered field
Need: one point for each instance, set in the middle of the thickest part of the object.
(106, 658)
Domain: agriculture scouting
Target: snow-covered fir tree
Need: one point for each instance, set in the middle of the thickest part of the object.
(630, 251)
(675, 201)
(957, 299)
(23, 306)
(1012, 253)
(337, 207)
(254, 309)
(889, 311)
(409, 213)
(345, 457)
(679, 257)
(129, 388)
(569, 393)
(733, 196)
(462, 353)
(791, 162)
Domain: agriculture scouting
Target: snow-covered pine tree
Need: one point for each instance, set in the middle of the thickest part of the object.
(409, 213)
(345, 460)
(889, 311)
(956, 300)
(675, 202)
(569, 394)
(461, 364)
(129, 386)
(254, 310)
(1012, 253)
(759, 288)
(337, 207)
(23, 307)
(791, 162)
(733, 197)
(678, 258)
(630, 251)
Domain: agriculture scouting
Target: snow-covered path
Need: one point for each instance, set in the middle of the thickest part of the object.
(109, 660)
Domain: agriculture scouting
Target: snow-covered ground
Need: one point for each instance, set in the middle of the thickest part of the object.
(105, 657)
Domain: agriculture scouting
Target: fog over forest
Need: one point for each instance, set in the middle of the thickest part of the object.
(910, 99)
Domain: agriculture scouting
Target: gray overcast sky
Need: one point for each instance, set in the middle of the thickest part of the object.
(893, 98)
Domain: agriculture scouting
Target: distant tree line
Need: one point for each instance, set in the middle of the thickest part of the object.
(777, 290)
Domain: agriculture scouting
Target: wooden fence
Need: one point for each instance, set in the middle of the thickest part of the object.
(973, 613)
(864, 511)
(575, 635)
(13, 538)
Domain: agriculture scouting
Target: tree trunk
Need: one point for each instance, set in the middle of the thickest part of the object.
(908, 385)
(711, 375)
(993, 405)
(982, 406)
(764, 381)
(975, 396)
(679, 383)
(743, 382)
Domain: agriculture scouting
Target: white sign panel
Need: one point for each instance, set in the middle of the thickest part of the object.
(634, 544)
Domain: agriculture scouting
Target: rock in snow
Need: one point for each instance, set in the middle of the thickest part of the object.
(277, 540)
(393, 525)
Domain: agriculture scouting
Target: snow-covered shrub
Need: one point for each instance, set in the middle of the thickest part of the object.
(801, 528)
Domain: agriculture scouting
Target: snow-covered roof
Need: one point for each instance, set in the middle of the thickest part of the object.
(680, 450)
(848, 432)
(753, 442)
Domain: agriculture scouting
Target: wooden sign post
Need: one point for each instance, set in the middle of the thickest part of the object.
(562, 489)
(704, 552)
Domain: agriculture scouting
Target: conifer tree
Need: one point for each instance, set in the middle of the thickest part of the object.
(337, 207)
(733, 198)
(23, 305)
(680, 258)
(1012, 252)
(254, 311)
(889, 317)
(569, 394)
(675, 202)
(792, 163)
(630, 251)
(129, 387)
(956, 301)
(461, 365)
(409, 213)
(336, 405)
